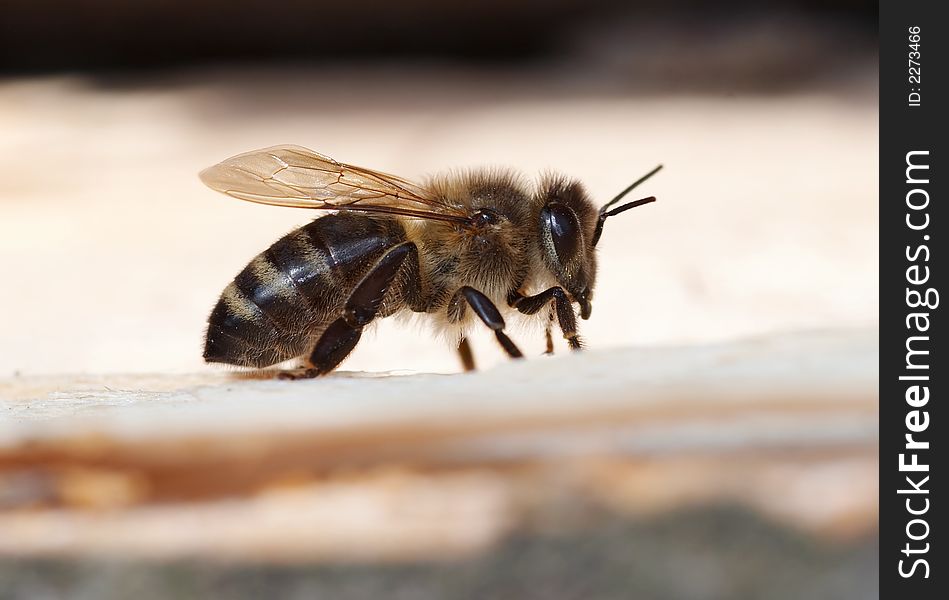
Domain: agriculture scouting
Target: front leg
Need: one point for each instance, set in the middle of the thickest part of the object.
(530, 305)
(548, 337)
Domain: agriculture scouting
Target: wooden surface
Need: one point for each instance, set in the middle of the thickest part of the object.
(388, 467)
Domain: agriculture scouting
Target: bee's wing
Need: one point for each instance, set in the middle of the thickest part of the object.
(297, 177)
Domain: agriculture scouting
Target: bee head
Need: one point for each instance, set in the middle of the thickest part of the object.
(567, 225)
(570, 228)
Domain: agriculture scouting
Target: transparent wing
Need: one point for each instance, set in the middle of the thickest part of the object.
(297, 177)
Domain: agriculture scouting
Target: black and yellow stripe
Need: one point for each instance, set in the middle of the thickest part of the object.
(281, 301)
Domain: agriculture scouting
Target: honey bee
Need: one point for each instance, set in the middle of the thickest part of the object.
(461, 249)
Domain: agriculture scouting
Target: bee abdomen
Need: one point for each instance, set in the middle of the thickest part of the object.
(283, 299)
(263, 317)
(239, 333)
(306, 263)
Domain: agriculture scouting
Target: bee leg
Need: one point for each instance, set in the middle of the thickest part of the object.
(364, 302)
(530, 305)
(490, 316)
(548, 333)
(464, 352)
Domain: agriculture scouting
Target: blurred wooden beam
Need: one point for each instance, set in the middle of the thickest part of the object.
(359, 466)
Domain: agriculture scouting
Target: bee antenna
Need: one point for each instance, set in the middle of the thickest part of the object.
(605, 209)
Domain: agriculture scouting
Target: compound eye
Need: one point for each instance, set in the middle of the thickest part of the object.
(564, 230)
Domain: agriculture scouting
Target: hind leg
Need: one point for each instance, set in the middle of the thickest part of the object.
(342, 335)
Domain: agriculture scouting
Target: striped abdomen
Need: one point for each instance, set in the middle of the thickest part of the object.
(276, 308)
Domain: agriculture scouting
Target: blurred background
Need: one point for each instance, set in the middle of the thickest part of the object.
(112, 253)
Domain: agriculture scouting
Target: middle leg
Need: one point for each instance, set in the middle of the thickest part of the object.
(489, 315)
(465, 354)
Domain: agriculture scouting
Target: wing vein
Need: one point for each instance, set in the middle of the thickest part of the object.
(294, 176)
